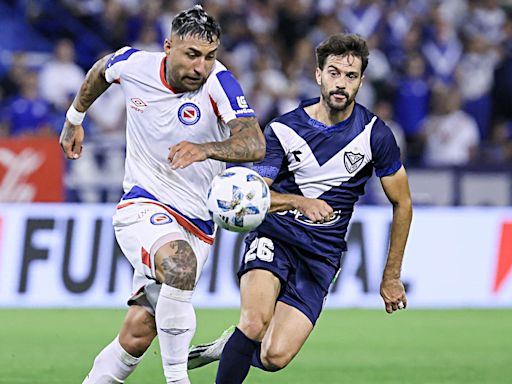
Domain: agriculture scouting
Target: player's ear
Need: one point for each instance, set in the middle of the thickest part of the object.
(167, 45)
(318, 75)
(361, 82)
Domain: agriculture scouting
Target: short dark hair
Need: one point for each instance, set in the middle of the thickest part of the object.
(196, 22)
(342, 44)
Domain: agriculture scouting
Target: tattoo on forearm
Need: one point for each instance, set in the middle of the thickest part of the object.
(179, 268)
(246, 143)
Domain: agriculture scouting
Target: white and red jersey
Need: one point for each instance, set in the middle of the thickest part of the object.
(158, 118)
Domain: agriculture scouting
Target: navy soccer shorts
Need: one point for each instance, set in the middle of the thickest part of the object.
(305, 277)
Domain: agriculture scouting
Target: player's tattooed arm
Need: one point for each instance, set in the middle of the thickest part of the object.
(246, 143)
(72, 136)
(93, 86)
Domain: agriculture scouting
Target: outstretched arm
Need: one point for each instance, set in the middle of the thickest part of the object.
(314, 209)
(94, 85)
(396, 188)
(246, 143)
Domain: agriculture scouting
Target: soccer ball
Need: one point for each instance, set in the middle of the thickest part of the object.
(238, 199)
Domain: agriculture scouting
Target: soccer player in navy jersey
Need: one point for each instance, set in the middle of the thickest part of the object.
(318, 159)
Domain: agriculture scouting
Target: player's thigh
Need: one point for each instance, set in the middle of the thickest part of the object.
(143, 230)
(259, 289)
(287, 333)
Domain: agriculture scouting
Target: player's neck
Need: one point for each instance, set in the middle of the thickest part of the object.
(326, 115)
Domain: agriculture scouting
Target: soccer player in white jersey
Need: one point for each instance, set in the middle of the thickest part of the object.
(186, 117)
(318, 159)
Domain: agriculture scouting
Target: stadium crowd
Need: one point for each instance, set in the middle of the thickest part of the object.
(440, 72)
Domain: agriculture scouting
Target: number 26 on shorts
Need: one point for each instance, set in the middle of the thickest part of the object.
(261, 248)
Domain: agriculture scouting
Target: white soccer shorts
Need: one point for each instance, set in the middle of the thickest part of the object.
(142, 226)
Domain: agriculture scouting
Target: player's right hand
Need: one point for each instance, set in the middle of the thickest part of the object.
(71, 139)
(315, 209)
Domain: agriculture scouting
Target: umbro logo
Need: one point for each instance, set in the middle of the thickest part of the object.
(138, 104)
(174, 331)
(353, 161)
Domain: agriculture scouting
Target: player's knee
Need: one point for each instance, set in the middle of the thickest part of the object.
(253, 325)
(176, 265)
(275, 359)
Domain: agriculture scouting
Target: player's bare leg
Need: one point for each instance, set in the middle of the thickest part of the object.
(138, 330)
(285, 336)
(120, 358)
(176, 269)
(259, 290)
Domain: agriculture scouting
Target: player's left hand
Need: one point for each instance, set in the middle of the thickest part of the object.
(184, 153)
(393, 294)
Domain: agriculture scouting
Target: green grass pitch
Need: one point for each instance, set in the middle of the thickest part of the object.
(347, 346)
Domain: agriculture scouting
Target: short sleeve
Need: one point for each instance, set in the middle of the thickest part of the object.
(385, 151)
(115, 65)
(271, 164)
(228, 97)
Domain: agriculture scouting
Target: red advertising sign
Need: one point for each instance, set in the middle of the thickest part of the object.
(31, 169)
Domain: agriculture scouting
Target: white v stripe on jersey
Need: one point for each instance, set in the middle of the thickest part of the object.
(314, 179)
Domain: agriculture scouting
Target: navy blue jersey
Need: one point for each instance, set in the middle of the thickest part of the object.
(332, 163)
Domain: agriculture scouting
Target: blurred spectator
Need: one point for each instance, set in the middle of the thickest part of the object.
(486, 19)
(453, 11)
(384, 109)
(451, 135)
(113, 24)
(412, 102)
(294, 20)
(61, 78)
(326, 25)
(147, 17)
(10, 82)
(364, 17)
(475, 74)
(399, 53)
(378, 72)
(502, 142)
(27, 114)
(502, 91)
(148, 40)
(442, 51)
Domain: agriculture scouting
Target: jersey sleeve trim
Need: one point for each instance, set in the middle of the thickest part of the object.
(395, 166)
(267, 171)
(120, 55)
(235, 95)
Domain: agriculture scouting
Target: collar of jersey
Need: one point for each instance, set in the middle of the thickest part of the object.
(162, 76)
(318, 124)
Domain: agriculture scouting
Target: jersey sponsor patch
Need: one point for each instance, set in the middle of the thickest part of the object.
(189, 113)
(353, 161)
(160, 219)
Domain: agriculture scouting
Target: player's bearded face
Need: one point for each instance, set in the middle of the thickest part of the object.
(340, 80)
(190, 61)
